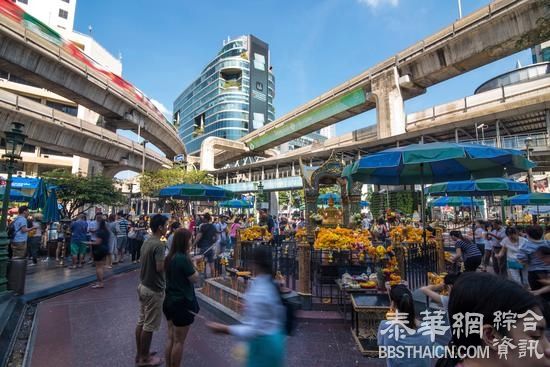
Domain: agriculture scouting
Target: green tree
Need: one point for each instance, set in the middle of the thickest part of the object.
(77, 193)
(152, 182)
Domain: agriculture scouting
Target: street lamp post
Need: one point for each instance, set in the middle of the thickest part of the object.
(528, 148)
(15, 138)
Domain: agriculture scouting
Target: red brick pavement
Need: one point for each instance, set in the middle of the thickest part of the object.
(90, 327)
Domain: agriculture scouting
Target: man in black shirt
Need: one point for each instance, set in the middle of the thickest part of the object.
(206, 237)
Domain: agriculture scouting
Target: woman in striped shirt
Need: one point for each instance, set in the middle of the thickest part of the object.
(467, 250)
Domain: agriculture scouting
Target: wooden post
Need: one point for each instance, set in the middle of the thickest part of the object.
(304, 271)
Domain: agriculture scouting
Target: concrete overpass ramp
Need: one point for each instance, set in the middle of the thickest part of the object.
(56, 68)
(62, 132)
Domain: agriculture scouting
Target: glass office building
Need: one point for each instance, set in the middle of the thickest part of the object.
(232, 97)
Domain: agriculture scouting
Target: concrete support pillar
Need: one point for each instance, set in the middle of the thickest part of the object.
(456, 136)
(389, 104)
(273, 203)
(498, 142)
(547, 115)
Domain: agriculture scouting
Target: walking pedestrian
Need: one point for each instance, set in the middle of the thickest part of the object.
(20, 233)
(79, 228)
(170, 235)
(532, 255)
(139, 230)
(35, 238)
(235, 227)
(511, 245)
(100, 250)
(205, 239)
(264, 316)
(497, 234)
(93, 226)
(180, 304)
(112, 227)
(151, 291)
(122, 236)
(466, 251)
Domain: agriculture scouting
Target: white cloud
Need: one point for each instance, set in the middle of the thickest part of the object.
(162, 108)
(377, 3)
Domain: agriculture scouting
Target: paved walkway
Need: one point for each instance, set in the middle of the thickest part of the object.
(89, 327)
(47, 278)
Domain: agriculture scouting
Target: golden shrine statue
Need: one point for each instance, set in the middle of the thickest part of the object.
(331, 215)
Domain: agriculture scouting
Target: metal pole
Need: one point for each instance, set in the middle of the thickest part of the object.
(459, 9)
(4, 240)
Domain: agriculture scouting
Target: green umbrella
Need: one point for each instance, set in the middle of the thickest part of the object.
(480, 187)
(456, 201)
(534, 198)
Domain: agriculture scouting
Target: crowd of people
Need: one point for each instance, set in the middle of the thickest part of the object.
(167, 278)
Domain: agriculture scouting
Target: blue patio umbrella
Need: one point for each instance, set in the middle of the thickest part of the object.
(237, 204)
(324, 198)
(51, 211)
(437, 162)
(196, 192)
(15, 195)
(39, 196)
(533, 198)
(456, 201)
(480, 187)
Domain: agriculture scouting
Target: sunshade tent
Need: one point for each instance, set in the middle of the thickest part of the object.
(51, 210)
(481, 187)
(15, 195)
(436, 162)
(39, 196)
(237, 204)
(195, 192)
(534, 198)
(456, 201)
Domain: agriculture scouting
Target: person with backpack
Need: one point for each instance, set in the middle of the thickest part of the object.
(18, 233)
(264, 321)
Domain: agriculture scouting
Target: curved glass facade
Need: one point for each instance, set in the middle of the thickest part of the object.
(232, 96)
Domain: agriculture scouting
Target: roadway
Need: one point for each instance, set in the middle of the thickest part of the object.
(43, 63)
(55, 130)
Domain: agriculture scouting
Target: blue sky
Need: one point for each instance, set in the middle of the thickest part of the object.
(314, 44)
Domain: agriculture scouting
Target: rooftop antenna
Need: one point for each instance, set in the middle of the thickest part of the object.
(90, 29)
(119, 56)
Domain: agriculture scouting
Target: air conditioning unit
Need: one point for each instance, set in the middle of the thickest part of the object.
(20, 174)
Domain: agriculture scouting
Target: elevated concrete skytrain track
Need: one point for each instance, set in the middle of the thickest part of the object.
(495, 31)
(34, 58)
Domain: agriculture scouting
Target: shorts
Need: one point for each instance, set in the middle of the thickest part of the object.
(100, 253)
(209, 256)
(177, 312)
(19, 249)
(122, 243)
(150, 308)
(78, 248)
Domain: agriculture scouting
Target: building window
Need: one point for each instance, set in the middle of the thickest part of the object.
(23, 1)
(67, 1)
(63, 14)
